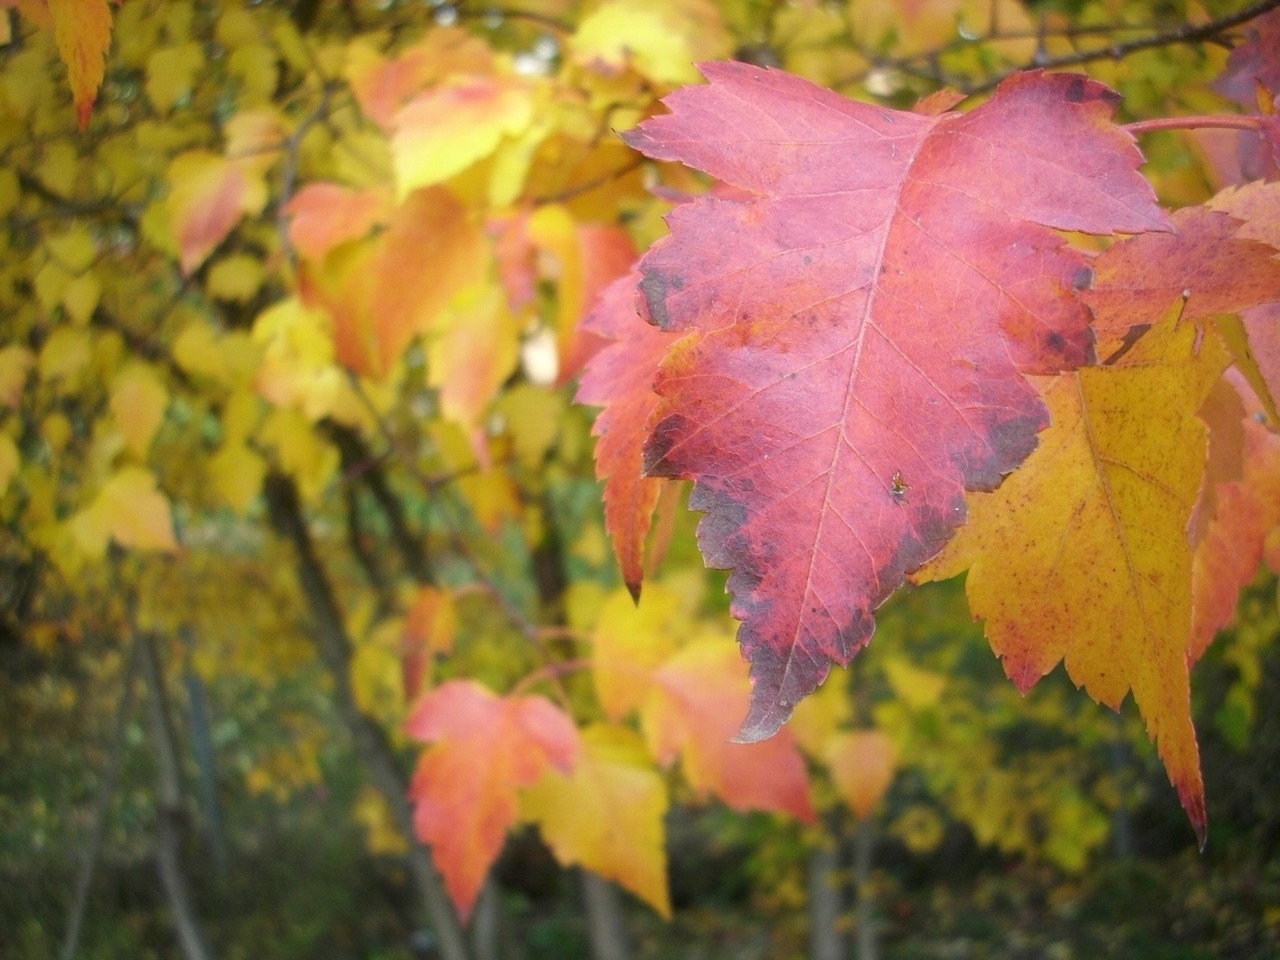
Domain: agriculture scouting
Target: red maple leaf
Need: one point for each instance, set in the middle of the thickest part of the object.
(619, 378)
(856, 332)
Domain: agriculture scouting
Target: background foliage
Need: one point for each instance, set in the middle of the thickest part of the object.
(287, 449)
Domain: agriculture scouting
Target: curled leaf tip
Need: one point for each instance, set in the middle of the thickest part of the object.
(764, 719)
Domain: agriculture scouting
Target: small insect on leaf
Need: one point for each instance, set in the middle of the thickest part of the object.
(898, 487)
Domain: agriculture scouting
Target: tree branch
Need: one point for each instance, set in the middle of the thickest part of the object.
(1118, 51)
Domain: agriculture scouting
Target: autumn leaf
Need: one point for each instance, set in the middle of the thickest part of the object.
(1212, 259)
(857, 331)
(691, 712)
(82, 29)
(138, 402)
(861, 764)
(1082, 555)
(1256, 346)
(619, 379)
(128, 509)
(208, 196)
(1247, 510)
(607, 814)
(484, 748)
(324, 215)
(444, 130)
(429, 628)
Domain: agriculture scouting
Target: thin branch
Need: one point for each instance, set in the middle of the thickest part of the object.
(1118, 51)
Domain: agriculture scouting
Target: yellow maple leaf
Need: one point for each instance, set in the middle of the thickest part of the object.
(138, 402)
(444, 130)
(659, 39)
(236, 472)
(1082, 555)
(606, 814)
(171, 74)
(630, 641)
(133, 512)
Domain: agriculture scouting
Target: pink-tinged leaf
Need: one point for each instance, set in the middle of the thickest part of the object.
(691, 711)
(324, 215)
(1254, 64)
(208, 196)
(382, 86)
(1210, 262)
(619, 378)
(484, 748)
(1258, 357)
(1247, 512)
(857, 332)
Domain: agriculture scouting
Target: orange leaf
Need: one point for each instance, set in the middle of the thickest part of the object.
(82, 30)
(324, 215)
(382, 86)
(484, 748)
(429, 627)
(861, 765)
(473, 355)
(693, 710)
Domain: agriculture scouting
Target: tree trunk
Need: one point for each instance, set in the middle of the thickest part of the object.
(170, 815)
(606, 926)
(864, 841)
(826, 903)
(101, 806)
(372, 747)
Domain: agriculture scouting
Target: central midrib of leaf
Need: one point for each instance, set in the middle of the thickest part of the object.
(842, 439)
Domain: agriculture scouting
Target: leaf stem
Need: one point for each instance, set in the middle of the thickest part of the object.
(1221, 121)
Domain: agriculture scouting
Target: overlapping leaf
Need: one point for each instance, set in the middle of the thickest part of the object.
(619, 378)
(607, 815)
(1247, 510)
(858, 329)
(1098, 517)
(483, 749)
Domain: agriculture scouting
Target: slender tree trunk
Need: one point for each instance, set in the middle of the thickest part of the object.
(102, 805)
(864, 841)
(170, 815)
(826, 904)
(372, 747)
(606, 926)
(486, 922)
(207, 784)
(1121, 822)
